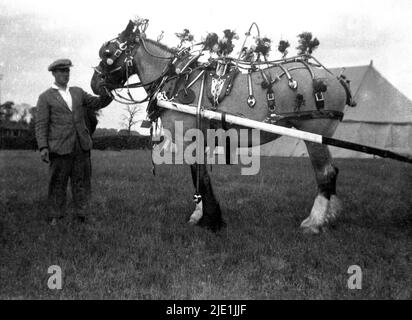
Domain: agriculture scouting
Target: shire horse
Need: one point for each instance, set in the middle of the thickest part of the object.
(292, 92)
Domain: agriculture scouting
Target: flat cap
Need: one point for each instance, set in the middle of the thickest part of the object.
(60, 64)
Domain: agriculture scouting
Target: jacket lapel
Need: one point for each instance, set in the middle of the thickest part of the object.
(60, 99)
(74, 99)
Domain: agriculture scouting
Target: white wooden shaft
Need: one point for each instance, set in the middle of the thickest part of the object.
(213, 115)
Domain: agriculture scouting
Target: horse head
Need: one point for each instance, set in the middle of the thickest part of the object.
(116, 56)
(131, 53)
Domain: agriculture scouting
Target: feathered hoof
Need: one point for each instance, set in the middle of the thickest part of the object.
(309, 226)
(311, 230)
(196, 215)
(334, 210)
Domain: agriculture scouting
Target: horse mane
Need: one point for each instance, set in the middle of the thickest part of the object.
(161, 46)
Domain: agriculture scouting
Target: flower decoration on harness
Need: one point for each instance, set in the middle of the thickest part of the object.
(184, 37)
(282, 48)
(211, 42)
(261, 48)
(306, 44)
(222, 47)
(226, 44)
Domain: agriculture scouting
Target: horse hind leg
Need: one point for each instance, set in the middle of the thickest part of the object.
(207, 212)
(327, 206)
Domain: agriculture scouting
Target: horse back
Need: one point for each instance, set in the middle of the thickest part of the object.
(270, 89)
(287, 99)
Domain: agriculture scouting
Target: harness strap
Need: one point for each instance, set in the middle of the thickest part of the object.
(292, 83)
(227, 142)
(232, 75)
(251, 100)
(153, 169)
(345, 84)
(197, 196)
(185, 67)
(319, 87)
(270, 94)
(195, 79)
(224, 123)
(270, 97)
(305, 115)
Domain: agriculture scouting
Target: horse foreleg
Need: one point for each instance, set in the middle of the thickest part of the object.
(207, 212)
(327, 206)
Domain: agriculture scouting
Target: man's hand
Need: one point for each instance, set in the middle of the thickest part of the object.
(44, 154)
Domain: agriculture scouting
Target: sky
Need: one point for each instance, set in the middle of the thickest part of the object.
(351, 33)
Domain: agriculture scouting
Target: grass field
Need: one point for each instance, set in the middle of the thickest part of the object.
(139, 246)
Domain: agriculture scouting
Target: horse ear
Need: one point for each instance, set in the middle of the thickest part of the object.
(129, 29)
(127, 33)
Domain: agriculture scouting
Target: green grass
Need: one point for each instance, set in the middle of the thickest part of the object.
(139, 246)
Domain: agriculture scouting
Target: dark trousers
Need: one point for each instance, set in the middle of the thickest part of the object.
(75, 166)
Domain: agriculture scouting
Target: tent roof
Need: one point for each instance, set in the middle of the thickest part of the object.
(377, 99)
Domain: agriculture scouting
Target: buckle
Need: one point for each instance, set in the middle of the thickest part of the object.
(123, 46)
(251, 101)
(270, 96)
(293, 84)
(319, 96)
(117, 53)
(197, 198)
(129, 63)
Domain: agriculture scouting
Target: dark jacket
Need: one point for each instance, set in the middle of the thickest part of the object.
(57, 126)
(90, 118)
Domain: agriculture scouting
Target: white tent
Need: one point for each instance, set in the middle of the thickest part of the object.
(382, 118)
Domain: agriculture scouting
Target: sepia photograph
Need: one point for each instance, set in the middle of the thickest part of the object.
(206, 154)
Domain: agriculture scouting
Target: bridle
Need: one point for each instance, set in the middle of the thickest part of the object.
(128, 48)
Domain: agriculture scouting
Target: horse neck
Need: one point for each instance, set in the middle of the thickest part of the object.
(150, 68)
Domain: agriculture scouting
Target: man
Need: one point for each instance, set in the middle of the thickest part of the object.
(64, 140)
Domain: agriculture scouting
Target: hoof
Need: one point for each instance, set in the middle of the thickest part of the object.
(308, 222)
(311, 230)
(309, 226)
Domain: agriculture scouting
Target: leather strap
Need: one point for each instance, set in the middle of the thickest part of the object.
(227, 142)
(306, 115)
